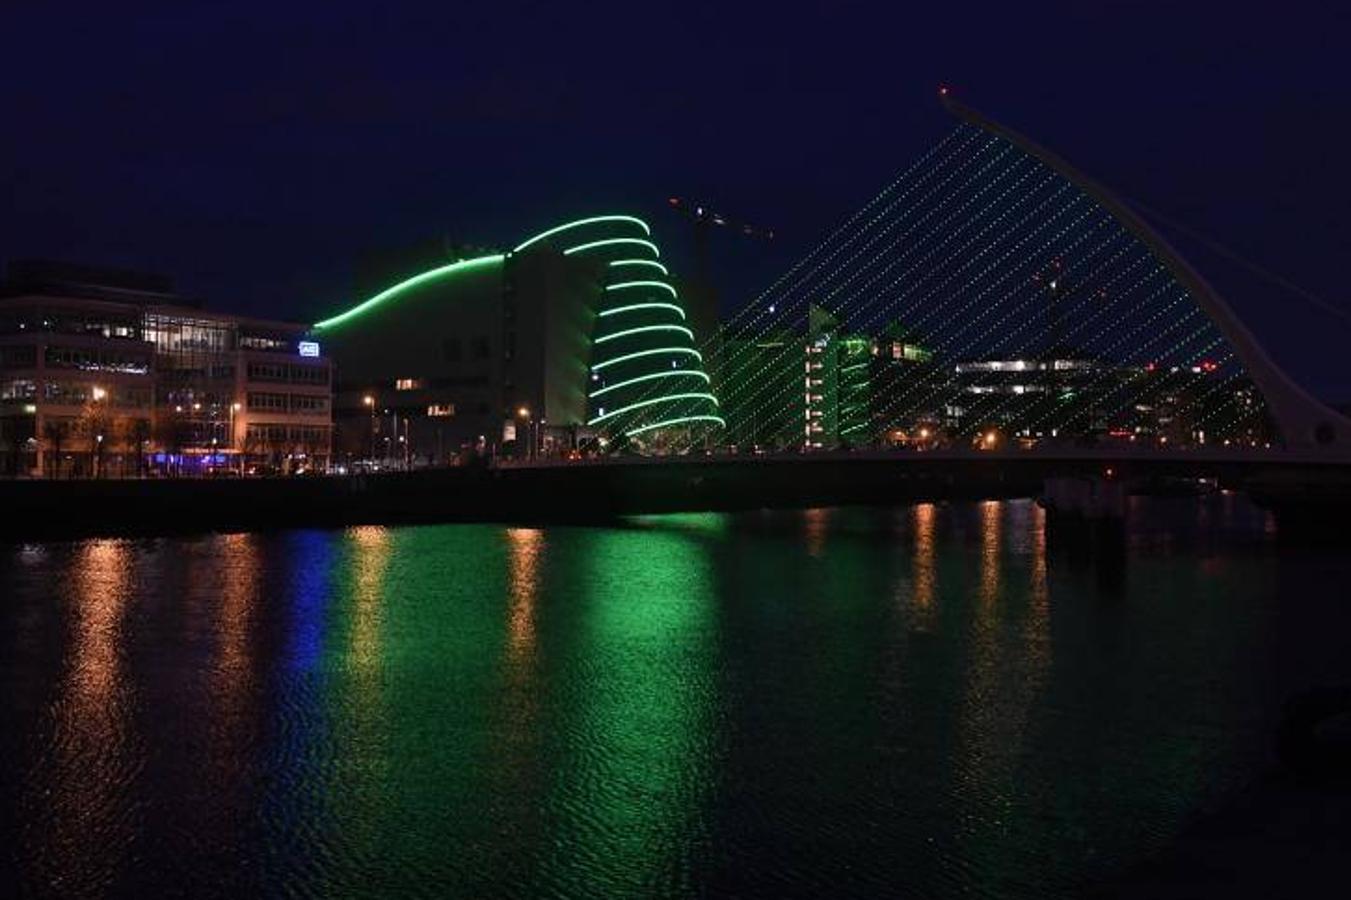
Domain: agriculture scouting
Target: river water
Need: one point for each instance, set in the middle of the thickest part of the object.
(922, 701)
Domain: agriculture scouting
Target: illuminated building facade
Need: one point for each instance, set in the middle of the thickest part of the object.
(110, 373)
(902, 372)
(1036, 397)
(575, 337)
(762, 395)
(836, 385)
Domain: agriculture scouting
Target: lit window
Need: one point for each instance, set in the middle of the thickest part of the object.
(441, 410)
(407, 384)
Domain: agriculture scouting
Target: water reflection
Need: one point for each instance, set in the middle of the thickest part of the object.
(637, 766)
(1006, 669)
(924, 577)
(358, 795)
(238, 557)
(370, 556)
(816, 523)
(87, 824)
(232, 729)
(845, 702)
(525, 547)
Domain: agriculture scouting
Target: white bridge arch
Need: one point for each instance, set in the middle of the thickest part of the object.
(1303, 421)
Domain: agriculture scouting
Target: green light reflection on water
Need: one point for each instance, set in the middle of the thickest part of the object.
(450, 753)
(639, 744)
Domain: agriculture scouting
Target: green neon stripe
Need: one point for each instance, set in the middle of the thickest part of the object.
(651, 263)
(641, 403)
(623, 309)
(456, 268)
(609, 241)
(717, 419)
(672, 373)
(633, 284)
(579, 223)
(628, 356)
(628, 331)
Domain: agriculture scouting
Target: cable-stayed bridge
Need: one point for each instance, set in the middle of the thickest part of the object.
(993, 296)
(997, 319)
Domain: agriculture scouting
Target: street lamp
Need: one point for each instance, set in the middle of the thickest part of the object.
(98, 393)
(524, 413)
(369, 402)
(239, 463)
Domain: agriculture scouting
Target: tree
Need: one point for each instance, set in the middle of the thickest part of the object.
(9, 446)
(139, 434)
(55, 432)
(97, 426)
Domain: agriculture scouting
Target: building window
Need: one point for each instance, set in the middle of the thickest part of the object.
(18, 389)
(407, 384)
(441, 410)
(263, 342)
(309, 374)
(267, 372)
(18, 357)
(451, 350)
(308, 403)
(258, 401)
(481, 348)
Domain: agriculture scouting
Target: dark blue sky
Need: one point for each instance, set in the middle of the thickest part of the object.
(255, 151)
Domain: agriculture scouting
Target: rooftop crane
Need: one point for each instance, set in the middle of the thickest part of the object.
(703, 305)
(705, 219)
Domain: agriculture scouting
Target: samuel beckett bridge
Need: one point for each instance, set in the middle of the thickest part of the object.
(994, 296)
(992, 316)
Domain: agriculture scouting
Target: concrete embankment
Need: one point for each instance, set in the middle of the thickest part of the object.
(567, 493)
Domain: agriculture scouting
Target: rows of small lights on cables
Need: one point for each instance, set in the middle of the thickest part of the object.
(956, 250)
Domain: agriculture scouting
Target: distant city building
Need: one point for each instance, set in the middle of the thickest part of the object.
(761, 387)
(836, 384)
(1033, 398)
(907, 389)
(108, 372)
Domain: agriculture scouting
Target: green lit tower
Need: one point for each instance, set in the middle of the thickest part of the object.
(646, 381)
(837, 384)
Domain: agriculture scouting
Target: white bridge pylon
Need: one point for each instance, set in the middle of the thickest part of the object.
(1304, 422)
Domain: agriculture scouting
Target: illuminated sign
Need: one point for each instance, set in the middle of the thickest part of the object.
(309, 348)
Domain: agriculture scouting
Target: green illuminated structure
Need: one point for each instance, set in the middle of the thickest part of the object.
(646, 377)
(577, 329)
(836, 384)
(410, 284)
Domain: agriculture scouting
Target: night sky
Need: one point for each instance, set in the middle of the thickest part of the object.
(256, 151)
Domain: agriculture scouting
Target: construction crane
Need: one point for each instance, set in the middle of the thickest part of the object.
(705, 219)
(703, 305)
